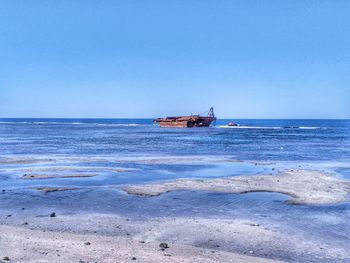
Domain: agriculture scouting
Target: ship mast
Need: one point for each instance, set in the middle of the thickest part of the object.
(211, 113)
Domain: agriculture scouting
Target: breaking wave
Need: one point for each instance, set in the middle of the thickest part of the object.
(75, 123)
(268, 127)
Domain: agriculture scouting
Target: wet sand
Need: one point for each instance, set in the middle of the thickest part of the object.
(50, 189)
(24, 160)
(304, 186)
(77, 169)
(53, 176)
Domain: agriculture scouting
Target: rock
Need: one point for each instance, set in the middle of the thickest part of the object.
(133, 258)
(87, 243)
(53, 214)
(6, 258)
(8, 216)
(163, 246)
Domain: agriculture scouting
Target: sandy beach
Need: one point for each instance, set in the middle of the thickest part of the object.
(25, 245)
(110, 238)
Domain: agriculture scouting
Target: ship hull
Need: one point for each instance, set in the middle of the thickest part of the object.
(185, 122)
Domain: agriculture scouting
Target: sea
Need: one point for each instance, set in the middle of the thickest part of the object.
(146, 153)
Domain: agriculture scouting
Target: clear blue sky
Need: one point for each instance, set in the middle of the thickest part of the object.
(248, 59)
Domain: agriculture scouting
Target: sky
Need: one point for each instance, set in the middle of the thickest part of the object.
(145, 59)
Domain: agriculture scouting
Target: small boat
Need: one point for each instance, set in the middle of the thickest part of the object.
(187, 121)
(232, 124)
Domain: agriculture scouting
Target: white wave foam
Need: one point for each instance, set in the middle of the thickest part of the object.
(121, 124)
(12, 122)
(268, 127)
(74, 123)
(309, 128)
(248, 127)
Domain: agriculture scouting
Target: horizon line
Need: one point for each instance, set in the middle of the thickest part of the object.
(149, 118)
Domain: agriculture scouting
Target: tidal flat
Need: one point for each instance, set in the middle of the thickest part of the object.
(247, 213)
(304, 186)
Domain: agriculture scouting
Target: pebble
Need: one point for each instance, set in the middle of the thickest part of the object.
(53, 214)
(87, 243)
(163, 246)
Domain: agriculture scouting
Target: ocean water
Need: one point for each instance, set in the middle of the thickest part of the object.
(147, 153)
(282, 140)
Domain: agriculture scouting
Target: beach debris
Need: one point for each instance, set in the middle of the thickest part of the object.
(53, 214)
(87, 243)
(163, 246)
(8, 216)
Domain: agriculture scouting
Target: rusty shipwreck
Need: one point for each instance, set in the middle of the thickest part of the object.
(188, 121)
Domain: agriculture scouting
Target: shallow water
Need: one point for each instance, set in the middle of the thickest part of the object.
(66, 146)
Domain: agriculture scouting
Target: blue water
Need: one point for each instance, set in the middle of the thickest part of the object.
(287, 140)
(156, 154)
